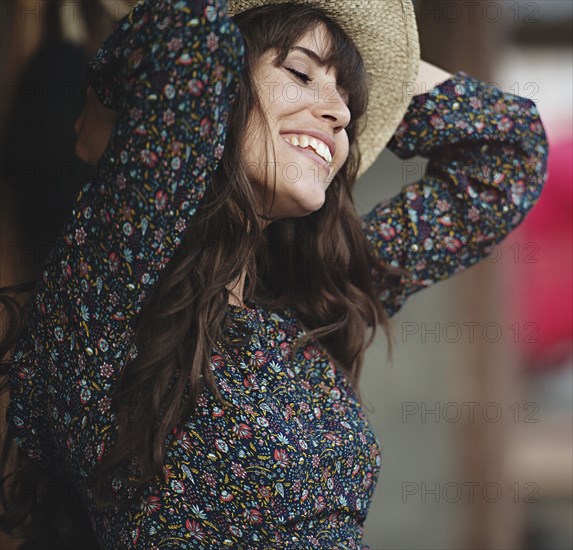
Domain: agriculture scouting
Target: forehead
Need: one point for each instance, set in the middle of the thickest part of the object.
(315, 44)
(317, 40)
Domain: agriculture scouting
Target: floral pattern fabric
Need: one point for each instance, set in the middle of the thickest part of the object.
(292, 462)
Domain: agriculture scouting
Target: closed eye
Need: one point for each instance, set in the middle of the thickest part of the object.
(305, 78)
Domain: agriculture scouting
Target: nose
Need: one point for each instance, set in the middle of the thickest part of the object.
(331, 105)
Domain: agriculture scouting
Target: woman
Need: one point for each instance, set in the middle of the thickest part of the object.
(191, 353)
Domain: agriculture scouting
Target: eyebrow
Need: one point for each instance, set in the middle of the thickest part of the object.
(313, 55)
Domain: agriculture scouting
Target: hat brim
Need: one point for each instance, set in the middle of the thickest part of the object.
(386, 34)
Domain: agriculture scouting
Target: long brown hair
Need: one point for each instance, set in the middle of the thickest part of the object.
(321, 265)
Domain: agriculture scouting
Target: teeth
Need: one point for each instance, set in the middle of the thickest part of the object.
(306, 141)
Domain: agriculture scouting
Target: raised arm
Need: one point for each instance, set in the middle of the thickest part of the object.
(487, 154)
(171, 72)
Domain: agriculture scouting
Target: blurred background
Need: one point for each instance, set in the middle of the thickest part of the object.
(476, 433)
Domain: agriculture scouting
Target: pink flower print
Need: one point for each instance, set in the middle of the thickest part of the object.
(151, 505)
(499, 106)
(243, 431)
(517, 192)
(217, 362)
(114, 299)
(212, 41)
(264, 492)
(135, 113)
(209, 479)
(479, 125)
(104, 405)
(175, 44)
(135, 533)
(238, 470)
(195, 87)
(177, 148)
(221, 446)
(281, 458)
(218, 153)
(475, 103)
(285, 348)
(505, 124)
(168, 117)
(195, 529)
(113, 262)
(167, 473)
(161, 198)
(445, 221)
(311, 352)
(319, 504)
(336, 439)
(473, 214)
(201, 161)
(443, 205)
(253, 516)
(80, 235)
(452, 244)
(180, 225)
(205, 127)
(25, 372)
(120, 181)
(288, 412)
(536, 127)
(258, 359)
(387, 232)
(437, 122)
(226, 496)
(250, 381)
(159, 235)
(149, 158)
(140, 130)
(185, 442)
(367, 480)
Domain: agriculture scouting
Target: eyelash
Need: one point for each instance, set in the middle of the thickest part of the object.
(305, 78)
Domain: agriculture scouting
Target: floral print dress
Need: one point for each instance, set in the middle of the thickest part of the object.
(293, 461)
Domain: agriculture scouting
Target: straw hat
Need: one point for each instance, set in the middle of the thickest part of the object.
(386, 35)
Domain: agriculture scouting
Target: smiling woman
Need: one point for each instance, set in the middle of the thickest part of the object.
(307, 119)
(185, 419)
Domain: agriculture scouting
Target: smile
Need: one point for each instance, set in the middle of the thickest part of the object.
(312, 154)
(305, 141)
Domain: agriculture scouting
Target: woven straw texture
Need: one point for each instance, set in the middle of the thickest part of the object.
(386, 35)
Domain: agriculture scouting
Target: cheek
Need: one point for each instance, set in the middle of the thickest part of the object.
(341, 155)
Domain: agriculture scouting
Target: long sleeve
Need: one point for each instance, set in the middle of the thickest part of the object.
(171, 70)
(487, 154)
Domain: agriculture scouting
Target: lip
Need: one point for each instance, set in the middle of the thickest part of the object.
(311, 155)
(322, 136)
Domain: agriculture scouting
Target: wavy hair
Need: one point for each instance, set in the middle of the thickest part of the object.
(184, 318)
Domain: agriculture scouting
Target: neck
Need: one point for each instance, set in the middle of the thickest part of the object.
(236, 290)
